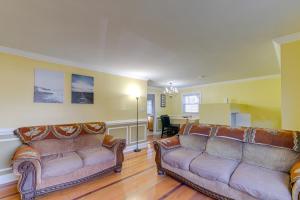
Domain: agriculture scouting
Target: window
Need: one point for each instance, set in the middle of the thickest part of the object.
(190, 103)
(149, 107)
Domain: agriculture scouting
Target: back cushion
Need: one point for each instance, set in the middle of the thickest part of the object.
(88, 141)
(53, 146)
(194, 142)
(225, 148)
(273, 158)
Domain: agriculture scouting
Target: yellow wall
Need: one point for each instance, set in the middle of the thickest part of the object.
(216, 113)
(158, 92)
(263, 98)
(290, 72)
(111, 100)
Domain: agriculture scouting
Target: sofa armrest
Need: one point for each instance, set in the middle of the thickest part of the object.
(163, 146)
(109, 141)
(26, 152)
(117, 146)
(170, 143)
(27, 165)
(295, 180)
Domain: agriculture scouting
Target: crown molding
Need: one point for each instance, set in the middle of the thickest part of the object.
(235, 81)
(272, 76)
(287, 38)
(277, 42)
(41, 57)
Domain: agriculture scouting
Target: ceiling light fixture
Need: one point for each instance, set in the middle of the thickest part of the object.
(171, 90)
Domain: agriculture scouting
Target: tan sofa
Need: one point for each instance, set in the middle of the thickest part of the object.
(60, 156)
(233, 163)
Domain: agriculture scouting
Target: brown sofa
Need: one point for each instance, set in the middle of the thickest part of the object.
(233, 163)
(60, 156)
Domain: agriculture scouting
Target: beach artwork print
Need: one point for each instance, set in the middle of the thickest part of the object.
(82, 89)
(48, 86)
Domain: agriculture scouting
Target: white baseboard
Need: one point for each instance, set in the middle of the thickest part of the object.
(5, 169)
(7, 178)
(149, 133)
(142, 145)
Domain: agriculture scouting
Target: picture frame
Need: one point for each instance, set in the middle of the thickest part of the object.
(82, 89)
(48, 86)
(162, 100)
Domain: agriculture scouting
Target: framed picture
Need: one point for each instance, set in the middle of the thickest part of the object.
(162, 100)
(82, 89)
(48, 86)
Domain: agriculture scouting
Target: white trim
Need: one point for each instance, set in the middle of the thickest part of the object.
(119, 127)
(287, 38)
(277, 42)
(5, 169)
(40, 57)
(10, 131)
(6, 131)
(277, 49)
(7, 178)
(190, 94)
(125, 122)
(235, 81)
(142, 145)
(145, 134)
(9, 139)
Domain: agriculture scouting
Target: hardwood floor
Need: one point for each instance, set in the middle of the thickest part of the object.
(137, 181)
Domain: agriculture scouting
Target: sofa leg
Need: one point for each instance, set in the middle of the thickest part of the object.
(160, 172)
(28, 196)
(118, 169)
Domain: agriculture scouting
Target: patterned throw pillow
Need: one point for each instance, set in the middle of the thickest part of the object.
(170, 143)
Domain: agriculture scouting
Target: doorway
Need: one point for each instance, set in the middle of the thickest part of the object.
(151, 114)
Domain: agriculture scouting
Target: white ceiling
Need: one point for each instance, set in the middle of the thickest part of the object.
(159, 40)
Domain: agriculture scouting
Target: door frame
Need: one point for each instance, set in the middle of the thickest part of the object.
(154, 111)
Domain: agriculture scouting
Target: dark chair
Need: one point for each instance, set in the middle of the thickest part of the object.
(168, 128)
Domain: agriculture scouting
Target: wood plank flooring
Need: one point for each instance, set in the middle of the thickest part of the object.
(137, 181)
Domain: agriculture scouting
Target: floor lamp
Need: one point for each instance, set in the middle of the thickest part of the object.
(137, 125)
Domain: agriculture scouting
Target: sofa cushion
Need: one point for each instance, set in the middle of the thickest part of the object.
(261, 183)
(96, 156)
(53, 146)
(213, 168)
(60, 164)
(180, 158)
(194, 142)
(225, 148)
(88, 141)
(274, 158)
